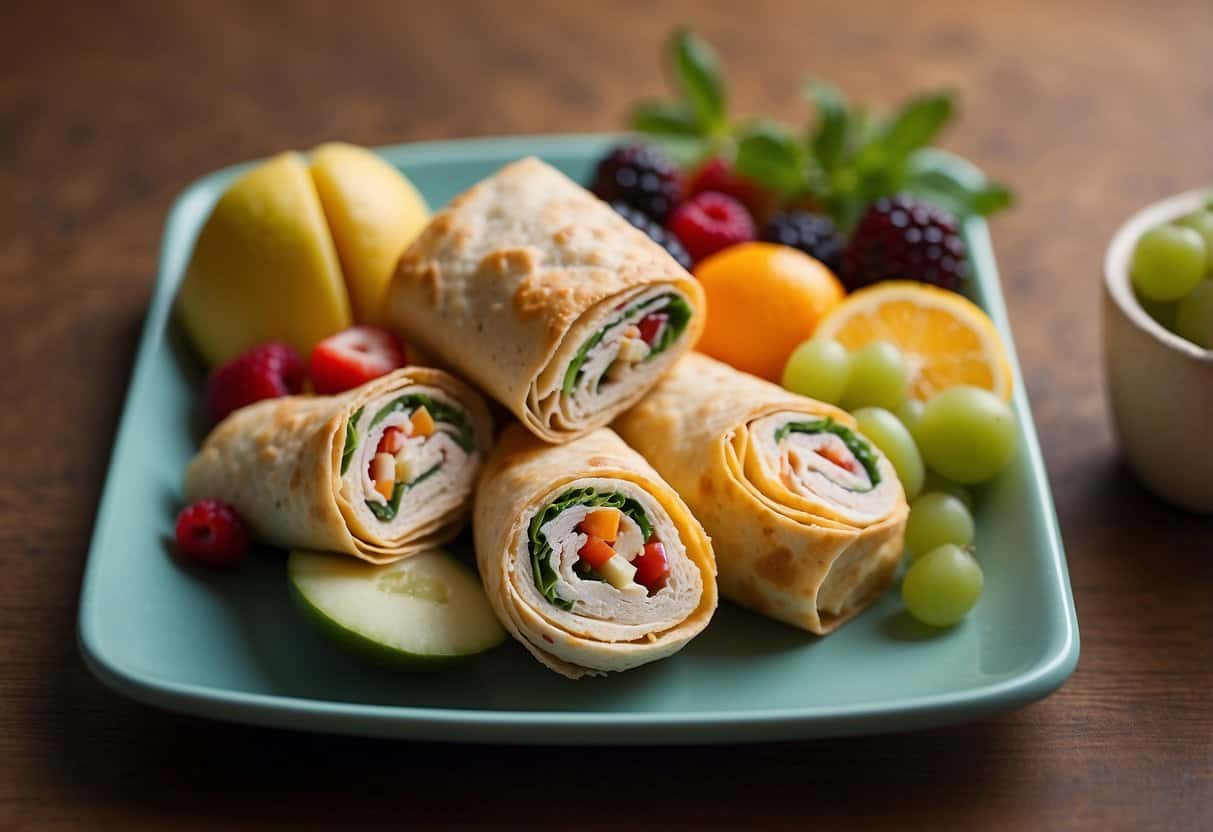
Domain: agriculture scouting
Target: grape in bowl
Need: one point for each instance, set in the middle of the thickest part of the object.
(1159, 384)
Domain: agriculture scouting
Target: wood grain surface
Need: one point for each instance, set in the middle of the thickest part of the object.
(1090, 109)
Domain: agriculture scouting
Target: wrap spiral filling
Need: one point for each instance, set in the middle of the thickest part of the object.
(817, 458)
(402, 453)
(615, 361)
(638, 583)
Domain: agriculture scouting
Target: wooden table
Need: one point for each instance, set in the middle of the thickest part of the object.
(1089, 109)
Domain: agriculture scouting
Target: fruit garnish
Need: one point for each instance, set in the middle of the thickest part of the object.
(264, 267)
(373, 213)
(946, 339)
(966, 434)
(264, 372)
(710, 222)
(819, 368)
(639, 175)
(1202, 223)
(211, 532)
(655, 231)
(814, 234)
(937, 518)
(903, 238)
(652, 566)
(942, 586)
(849, 158)
(717, 174)
(1168, 262)
(353, 357)
(896, 443)
(763, 300)
(879, 377)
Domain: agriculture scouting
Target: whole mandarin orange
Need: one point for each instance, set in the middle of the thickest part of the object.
(763, 299)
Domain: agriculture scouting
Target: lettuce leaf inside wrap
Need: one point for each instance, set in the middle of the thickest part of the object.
(541, 550)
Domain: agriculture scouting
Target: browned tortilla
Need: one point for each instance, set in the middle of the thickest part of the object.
(278, 463)
(775, 555)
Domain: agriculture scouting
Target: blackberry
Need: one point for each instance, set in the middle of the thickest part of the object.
(640, 175)
(902, 238)
(813, 234)
(656, 233)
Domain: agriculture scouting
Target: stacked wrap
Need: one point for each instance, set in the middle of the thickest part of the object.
(296, 468)
(581, 626)
(806, 516)
(547, 299)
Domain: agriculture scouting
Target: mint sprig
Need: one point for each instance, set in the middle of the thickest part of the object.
(844, 161)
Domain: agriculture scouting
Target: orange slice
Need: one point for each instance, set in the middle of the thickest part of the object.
(947, 339)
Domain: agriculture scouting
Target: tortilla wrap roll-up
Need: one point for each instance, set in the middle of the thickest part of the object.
(380, 472)
(538, 292)
(806, 515)
(588, 557)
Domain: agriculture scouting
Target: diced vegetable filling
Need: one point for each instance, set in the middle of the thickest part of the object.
(851, 462)
(598, 558)
(649, 328)
(402, 460)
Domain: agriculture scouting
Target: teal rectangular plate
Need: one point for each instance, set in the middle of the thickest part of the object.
(230, 646)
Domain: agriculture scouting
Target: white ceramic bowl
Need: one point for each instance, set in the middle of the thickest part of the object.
(1160, 386)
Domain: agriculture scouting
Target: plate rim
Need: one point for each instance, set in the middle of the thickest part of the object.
(1036, 681)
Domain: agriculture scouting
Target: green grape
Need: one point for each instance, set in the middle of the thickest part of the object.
(942, 586)
(1202, 223)
(937, 482)
(909, 413)
(1168, 262)
(1194, 315)
(1161, 311)
(818, 369)
(880, 377)
(967, 434)
(937, 518)
(895, 442)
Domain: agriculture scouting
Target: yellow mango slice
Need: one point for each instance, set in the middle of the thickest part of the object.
(373, 213)
(264, 267)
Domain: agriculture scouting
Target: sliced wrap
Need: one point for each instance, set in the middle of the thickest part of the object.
(547, 299)
(299, 468)
(806, 516)
(531, 526)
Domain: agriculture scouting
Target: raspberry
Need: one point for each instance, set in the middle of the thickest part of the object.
(353, 357)
(640, 175)
(709, 222)
(902, 238)
(264, 372)
(813, 234)
(656, 233)
(211, 532)
(716, 175)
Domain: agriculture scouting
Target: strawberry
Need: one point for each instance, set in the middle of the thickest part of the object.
(264, 372)
(210, 532)
(353, 357)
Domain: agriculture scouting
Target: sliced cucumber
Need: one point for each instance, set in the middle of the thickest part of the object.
(420, 612)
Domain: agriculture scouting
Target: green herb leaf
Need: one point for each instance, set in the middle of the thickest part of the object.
(767, 153)
(351, 440)
(665, 118)
(916, 125)
(936, 183)
(829, 139)
(698, 73)
(541, 551)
